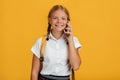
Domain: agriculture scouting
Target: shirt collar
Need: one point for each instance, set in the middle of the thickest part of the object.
(52, 37)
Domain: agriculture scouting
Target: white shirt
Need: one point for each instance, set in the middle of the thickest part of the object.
(55, 56)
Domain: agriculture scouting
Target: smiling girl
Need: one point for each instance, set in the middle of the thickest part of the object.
(61, 50)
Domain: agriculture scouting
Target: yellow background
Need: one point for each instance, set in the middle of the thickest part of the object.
(95, 22)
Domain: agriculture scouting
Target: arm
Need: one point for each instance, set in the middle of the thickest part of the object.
(35, 68)
(74, 57)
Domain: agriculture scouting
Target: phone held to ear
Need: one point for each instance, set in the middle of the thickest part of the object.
(66, 30)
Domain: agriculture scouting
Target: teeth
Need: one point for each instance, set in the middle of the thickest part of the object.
(58, 25)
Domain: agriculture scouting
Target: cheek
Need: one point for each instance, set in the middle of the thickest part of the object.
(65, 23)
(53, 21)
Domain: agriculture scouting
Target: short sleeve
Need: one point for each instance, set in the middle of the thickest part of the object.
(36, 47)
(77, 43)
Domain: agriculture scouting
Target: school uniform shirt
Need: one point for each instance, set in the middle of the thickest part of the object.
(55, 55)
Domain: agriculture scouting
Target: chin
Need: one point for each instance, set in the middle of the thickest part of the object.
(59, 30)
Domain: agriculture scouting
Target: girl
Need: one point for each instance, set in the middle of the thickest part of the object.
(61, 50)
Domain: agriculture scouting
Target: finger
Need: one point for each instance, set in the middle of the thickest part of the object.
(69, 29)
(68, 32)
(69, 24)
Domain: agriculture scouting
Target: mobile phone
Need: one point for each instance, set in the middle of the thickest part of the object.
(65, 30)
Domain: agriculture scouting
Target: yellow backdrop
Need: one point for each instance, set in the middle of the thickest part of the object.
(95, 22)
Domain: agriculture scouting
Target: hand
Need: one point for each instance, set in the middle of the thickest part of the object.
(69, 32)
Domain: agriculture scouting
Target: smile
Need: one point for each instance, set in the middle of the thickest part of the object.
(58, 25)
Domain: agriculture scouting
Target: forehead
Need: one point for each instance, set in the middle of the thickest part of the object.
(59, 13)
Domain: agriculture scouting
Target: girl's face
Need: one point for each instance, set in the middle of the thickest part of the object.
(58, 20)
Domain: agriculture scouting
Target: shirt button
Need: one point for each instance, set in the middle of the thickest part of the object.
(57, 46)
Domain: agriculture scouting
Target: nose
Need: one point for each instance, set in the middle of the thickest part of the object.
(59, 21)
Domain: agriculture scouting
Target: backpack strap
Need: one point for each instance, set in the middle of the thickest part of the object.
(43, 44)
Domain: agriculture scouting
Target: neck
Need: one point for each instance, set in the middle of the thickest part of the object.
(56, 34)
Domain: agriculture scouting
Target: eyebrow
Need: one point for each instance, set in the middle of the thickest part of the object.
(61, 17)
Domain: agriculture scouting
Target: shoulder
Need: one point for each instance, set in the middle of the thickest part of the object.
(39, 39)
(75, 38)
(77, 42)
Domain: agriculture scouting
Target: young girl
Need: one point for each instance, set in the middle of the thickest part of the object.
(61, 50)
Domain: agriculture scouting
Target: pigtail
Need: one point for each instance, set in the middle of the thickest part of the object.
(48, 31)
